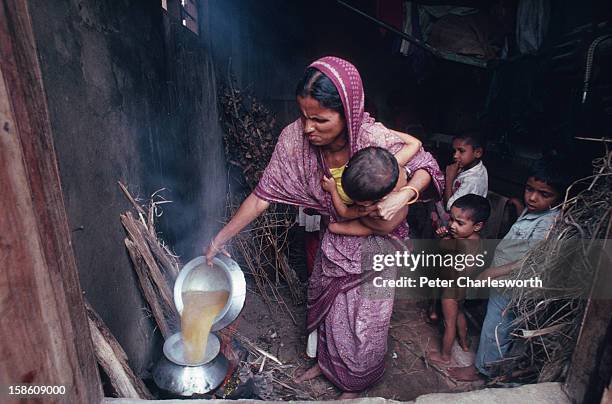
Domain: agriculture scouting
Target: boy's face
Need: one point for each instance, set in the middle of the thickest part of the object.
(464, 154)
(461, 224)
(539, 196)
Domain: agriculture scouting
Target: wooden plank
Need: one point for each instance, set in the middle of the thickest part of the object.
(113, 359)
(43, 325)
(590, 369)
(589, 374)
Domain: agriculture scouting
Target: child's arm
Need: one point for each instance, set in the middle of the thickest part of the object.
(367, 226)
(347, 212)
(450, 174)
(409, 150)
(351, 228)
(501, 270)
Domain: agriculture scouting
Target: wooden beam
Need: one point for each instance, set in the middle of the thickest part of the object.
(589, 373)
(43, 325)
(590, 369)
(114, 361)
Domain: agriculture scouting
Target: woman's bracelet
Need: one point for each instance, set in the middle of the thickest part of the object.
(417, 194)
(214, 247)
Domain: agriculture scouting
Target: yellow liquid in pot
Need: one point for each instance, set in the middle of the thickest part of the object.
(199, 311)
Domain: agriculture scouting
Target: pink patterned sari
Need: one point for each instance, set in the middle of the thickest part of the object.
(352, 328)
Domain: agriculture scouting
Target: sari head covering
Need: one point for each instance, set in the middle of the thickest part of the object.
(352, 328)
(348, 82)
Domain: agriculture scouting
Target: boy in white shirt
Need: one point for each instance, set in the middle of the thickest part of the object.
(467, 175)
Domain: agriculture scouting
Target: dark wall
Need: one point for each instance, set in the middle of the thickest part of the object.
(131, 98)
(267, 44)
(264, 45)
(194, 164)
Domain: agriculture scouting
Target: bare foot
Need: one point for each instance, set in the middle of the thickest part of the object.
(309, 374)
(465, 374)
(432, 314)
(347, 395)
(438, 358)
(463, 343)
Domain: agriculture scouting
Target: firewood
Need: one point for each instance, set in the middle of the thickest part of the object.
(137, 233)
(154, 264)
(138, 208)
(149, 290)
(113, 360)
(168, 262)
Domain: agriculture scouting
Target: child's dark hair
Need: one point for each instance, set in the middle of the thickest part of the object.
(472, 138)
(553, 171)
(370, 174)
(478, 206)
(318, 86)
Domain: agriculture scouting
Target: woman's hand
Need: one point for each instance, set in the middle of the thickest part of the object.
(214, 249)
(392, 203)
(247, 212)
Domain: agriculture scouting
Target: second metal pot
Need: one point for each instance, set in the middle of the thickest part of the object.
(225, 274)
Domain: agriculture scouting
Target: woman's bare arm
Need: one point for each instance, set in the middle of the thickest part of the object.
(250, 209)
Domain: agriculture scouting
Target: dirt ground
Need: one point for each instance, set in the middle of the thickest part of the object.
(407, 374)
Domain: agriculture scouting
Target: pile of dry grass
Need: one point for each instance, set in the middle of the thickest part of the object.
(549, 318)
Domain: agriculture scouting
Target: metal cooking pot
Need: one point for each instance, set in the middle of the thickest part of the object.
(224, 274)
(175, 376)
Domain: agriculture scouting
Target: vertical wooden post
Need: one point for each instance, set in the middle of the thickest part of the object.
(590, 369)
(43, 325)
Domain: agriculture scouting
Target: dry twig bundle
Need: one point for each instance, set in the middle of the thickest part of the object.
(249, 142)
(549, 318)
(155, 265)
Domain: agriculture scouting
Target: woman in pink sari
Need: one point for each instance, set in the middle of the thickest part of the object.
(351, 327)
